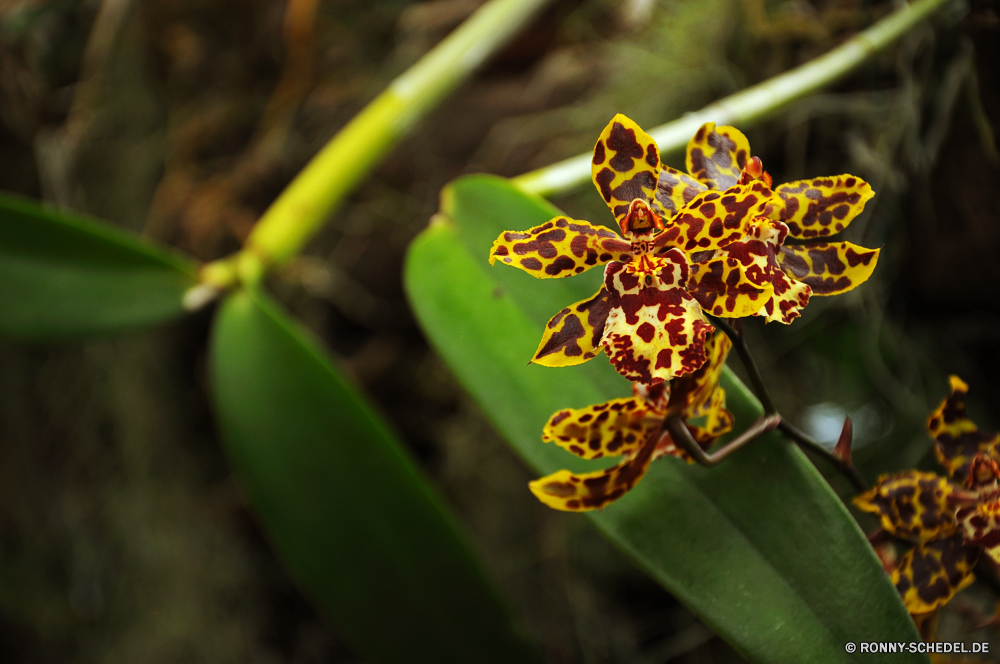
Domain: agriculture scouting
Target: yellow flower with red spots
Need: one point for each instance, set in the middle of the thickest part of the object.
(634, 428)
(712, 241)
(719, 157)
(948, 522)
(646, 316)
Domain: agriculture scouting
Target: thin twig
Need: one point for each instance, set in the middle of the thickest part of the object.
(681, 435)
(849, 471)
(756, 380)
(760, 389)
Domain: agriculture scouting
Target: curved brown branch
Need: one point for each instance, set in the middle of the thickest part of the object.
(840, 459)
(682, 437)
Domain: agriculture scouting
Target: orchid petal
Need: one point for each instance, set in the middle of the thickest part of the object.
(957, 438)
(655, 329)
(980, 525)
(614, 428)
(714, 219)
(717, 155)
(625, 166)
(561, 247)
(756, 255)
(697, 395)
(573, 335)
(566, 491)
(821, 206)
(788, 300)
(932, 572)
(724, 288)
(913, 505)
(674, 190)
(830, 268)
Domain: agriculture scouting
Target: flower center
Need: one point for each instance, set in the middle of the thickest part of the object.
(641, 220)
(990, 509)
(982, 471)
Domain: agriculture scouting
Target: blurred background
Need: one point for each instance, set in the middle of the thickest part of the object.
(123, 537)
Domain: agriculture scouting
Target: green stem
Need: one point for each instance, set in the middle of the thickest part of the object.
(753, 104)
(756, 380)
(302, 208)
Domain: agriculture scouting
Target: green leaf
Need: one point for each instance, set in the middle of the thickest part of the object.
(759, 547)
(344, 506)
(63, 275)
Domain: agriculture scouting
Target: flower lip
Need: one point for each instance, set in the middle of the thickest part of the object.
(983, 470)
(641, 220)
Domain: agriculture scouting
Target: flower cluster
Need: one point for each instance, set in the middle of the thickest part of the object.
(950, 522)
(708, 241)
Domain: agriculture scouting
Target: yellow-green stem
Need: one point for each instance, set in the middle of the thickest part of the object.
(754, 103)
(302, 208)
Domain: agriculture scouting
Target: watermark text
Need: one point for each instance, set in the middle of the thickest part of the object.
(938, 647)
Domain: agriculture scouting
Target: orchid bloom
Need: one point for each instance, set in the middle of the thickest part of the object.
(949, 522)
(633, 427)
(719, 158)
(647, 316)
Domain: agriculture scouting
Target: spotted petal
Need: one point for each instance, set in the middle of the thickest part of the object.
(788, 300)
(714, 219)
(561, 247)
(655, 329)
(913, 505)
(698, 398)
(744, 279)
(717, 155)
(573, 335)
(717, 420)
(614, 428)
(674, 190)
(932, 572)
(830, 268)
(724, 288)
(625, 166)
(566, 491)
(756, 253)
(656, 396)
(980, 524)
(957, 438)
(692, 395)
(821, 206)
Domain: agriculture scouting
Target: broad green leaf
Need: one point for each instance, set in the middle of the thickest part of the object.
(759, 546)
(64, 275)
(344, 506)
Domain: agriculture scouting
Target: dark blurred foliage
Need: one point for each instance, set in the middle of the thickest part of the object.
(122, 534)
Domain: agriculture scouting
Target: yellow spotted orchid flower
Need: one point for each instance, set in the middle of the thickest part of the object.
(719, 158)
(647, 316)
(950, 522)
(633, 427)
